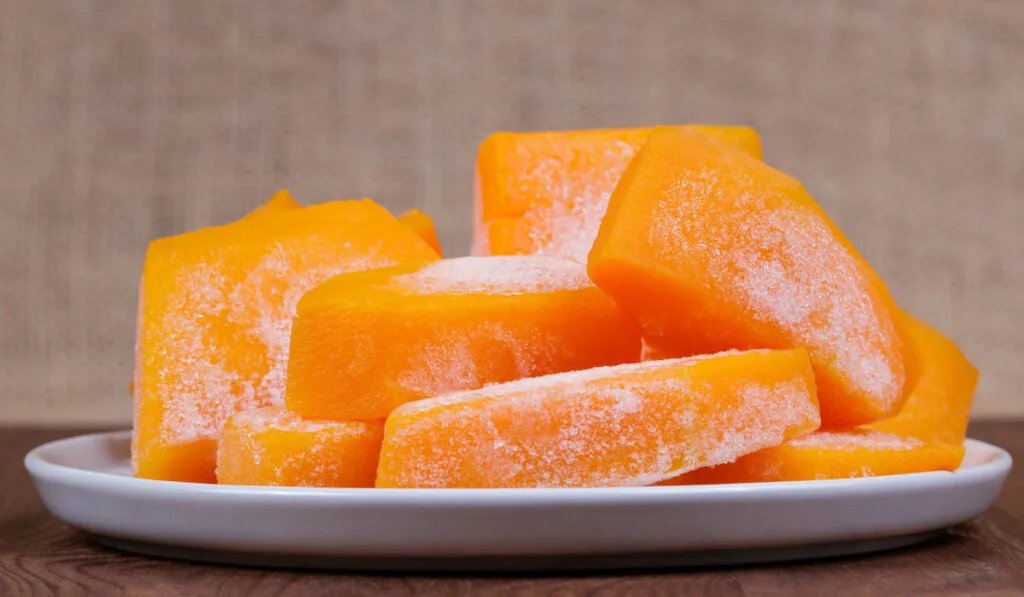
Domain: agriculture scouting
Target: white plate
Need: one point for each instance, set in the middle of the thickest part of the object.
(85, 482)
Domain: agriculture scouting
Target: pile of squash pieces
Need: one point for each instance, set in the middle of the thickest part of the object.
(643, 306)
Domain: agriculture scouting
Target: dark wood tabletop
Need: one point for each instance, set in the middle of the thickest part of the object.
(41, 556)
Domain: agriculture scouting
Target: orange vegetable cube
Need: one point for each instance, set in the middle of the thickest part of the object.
(215, 313)
(632, 424)
(421, 224)
(547, 192)
(365, 343)
(271, 446)
(711, 250)
(939, 406)
(281, 201)
(831, 455)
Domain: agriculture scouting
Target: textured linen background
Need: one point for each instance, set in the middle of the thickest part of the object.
(122, 120)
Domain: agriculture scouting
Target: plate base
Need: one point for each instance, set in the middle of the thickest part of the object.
(632, 561)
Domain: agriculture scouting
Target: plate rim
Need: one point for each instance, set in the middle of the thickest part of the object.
(41, 468)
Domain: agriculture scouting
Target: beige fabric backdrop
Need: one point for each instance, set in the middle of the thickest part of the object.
(123, 120)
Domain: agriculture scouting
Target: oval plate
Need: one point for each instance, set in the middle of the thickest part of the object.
(85, 481)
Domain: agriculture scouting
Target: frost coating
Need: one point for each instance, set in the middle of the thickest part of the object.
(856, 440)
(202, 391)
(498, 275)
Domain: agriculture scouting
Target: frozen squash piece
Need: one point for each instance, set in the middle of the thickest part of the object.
(271, 446)
(281, 201)
(365, 343)
(421, 224)
(711, 250)
(939, 406)
(215, 313)
(547, 192)
(831, 455)
(632, 424)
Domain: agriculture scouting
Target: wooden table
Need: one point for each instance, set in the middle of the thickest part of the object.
(41, 556)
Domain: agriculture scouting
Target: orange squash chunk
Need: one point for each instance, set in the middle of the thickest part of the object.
(281, 201)
(271, 446)
(831, 455)
(939, 406)
(364, 344)
(711, 249)
(547, 192)
(421, 224)
(632, 424)
(215, 313)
